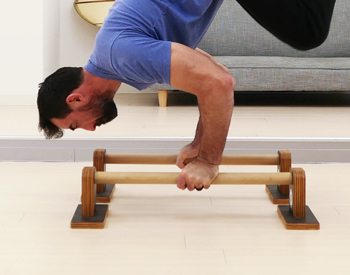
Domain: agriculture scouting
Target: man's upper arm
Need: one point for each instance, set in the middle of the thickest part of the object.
(191, 70)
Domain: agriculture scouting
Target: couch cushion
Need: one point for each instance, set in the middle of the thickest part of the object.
(256, 73)
(234, 32)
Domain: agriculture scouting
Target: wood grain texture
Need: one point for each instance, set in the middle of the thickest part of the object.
(88, 191)
(247, 159)
(100, 165)
(279, 194)
(285, 164)
(298, 188)
(170, 178)
(104, 192)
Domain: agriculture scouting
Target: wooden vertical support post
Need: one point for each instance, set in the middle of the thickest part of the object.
(279, 194)
(88, 192)
(284, 166)
(297, 201)
(99, 164)
(88, 214)
(103, 192)
(297, 215)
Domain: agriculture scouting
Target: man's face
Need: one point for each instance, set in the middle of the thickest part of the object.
(88, 117)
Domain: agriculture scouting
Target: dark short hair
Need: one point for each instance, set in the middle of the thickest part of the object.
(52, 96)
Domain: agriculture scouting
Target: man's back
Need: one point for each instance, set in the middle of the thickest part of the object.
(182, 21)
(133, 44)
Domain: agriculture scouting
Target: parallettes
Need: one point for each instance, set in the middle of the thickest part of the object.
(286, 187)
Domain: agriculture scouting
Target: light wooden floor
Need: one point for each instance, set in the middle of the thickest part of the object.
(161, 230)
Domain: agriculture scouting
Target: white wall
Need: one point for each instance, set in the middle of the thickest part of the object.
(76, 36)
(21, 50)
(77, 39)
(40, 36)
(51, 33)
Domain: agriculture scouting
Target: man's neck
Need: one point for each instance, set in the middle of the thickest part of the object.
(101, 86)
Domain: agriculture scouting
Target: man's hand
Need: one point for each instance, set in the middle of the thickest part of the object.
(186, 155)
(198, 174)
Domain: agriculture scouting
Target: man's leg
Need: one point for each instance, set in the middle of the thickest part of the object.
(303, 24)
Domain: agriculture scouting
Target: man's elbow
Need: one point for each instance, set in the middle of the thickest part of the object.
(222, 84)
(229, 83)
(226, 86)
(225, 82)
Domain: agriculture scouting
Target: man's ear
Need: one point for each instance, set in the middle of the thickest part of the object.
(75, 100)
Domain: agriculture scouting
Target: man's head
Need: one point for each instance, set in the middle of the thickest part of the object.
(66, 101)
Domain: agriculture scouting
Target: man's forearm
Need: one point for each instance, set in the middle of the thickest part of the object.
(216, 111)
(194, 72)
(198, 135)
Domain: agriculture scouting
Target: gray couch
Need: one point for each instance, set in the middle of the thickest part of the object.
(260, 62)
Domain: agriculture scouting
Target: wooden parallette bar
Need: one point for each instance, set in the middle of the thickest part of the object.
(170, 178)
(171, 159)
(295, 216)
(277, 194)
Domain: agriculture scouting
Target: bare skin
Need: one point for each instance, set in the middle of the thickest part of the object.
(193, 71)
(196, 72)
(85, 102)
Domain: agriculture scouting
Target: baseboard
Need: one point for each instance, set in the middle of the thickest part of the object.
(77, 150)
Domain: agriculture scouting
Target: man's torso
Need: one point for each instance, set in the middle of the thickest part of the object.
(133, 45)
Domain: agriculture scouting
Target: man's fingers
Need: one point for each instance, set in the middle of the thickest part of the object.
(204, 184)
(180, 162)
(196, 175)
(181, 182)
(194, 182)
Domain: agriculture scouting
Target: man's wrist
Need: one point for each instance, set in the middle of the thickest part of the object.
(195, 144)
(209, 161)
